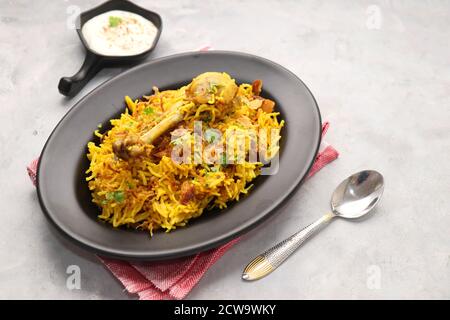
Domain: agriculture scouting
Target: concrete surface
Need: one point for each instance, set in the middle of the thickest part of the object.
(380, 72)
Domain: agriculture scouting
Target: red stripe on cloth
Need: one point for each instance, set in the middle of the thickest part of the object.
(165, 274)
(322, 159)
(132, 279)
(32, 170)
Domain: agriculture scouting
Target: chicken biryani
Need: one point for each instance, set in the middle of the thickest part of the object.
(176, 153)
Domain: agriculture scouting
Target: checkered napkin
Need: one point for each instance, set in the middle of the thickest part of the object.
(174, 279)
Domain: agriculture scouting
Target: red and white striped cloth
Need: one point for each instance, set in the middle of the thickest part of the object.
(174, 279)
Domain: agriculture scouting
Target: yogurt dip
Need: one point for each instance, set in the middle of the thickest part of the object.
(119, 33)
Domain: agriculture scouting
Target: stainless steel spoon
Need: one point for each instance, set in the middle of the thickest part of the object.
(353, 198)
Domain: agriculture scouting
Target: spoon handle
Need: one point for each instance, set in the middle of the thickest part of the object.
(268, 261)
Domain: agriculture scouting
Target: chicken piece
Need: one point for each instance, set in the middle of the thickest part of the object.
(129, 147)
(210, 85)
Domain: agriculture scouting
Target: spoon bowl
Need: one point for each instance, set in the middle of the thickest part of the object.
(358, 194)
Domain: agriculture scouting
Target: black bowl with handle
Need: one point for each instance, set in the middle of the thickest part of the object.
(94, 61)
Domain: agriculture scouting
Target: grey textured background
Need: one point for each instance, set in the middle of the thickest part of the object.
(384, 85)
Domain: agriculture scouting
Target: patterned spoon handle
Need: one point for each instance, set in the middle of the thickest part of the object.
(268, 261)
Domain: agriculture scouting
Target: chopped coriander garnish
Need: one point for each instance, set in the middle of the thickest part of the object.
(211, 136)
(114, 21)
(117, 196)
(208, 117)
(148, 111)
(109, 195)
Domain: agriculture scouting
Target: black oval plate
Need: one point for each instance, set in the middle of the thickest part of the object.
(66, 200)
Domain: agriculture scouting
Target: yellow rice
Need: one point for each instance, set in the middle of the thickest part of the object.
(145, 194)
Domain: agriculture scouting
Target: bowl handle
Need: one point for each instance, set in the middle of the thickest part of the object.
(70, 86)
